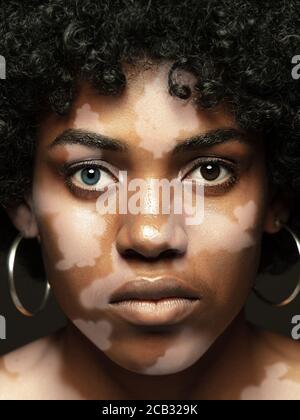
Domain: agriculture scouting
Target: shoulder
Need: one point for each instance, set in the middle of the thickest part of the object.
(32, 371)
(276, 363)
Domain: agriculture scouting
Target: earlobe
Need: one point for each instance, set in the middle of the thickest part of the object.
(278, 208)
(23, 218)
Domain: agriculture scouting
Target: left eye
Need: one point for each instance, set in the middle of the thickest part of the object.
(210, 173)
(92, 177)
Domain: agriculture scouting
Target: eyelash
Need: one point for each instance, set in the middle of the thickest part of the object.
(69, 170)
(232, 167)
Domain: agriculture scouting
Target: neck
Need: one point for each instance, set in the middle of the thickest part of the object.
(95, 376)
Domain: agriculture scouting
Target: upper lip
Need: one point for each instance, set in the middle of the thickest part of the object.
(146, 288)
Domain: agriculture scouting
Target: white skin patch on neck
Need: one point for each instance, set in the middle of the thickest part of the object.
(98, 332)
(275, 386)
(151, 121)
(188, 347)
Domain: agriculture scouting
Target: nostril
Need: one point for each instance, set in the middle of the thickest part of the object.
(170, 253)
(166, 254)
(130, 253)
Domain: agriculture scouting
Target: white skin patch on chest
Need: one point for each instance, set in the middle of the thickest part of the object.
(275, 386)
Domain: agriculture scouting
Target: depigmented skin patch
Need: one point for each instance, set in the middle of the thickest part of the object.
(275, 386)
(98, 332)
(222, 233)
(85, 252)
(33, 372)
(187, 348)
(23, 360)
(151, 122)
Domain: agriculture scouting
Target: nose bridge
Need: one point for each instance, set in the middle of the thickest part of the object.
(151, 235)
(152, 228)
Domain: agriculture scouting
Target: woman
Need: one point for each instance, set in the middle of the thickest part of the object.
(103, 93)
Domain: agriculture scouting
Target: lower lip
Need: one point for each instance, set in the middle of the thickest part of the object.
(167, 311)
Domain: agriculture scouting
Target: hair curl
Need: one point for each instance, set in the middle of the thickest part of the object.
(239, 50)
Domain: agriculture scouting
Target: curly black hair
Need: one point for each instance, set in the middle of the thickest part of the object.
(239, 50)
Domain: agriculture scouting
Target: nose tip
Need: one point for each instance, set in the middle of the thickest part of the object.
(151, 240)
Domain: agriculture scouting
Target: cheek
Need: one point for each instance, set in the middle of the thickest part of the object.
(225, 251)
(77, 238)
(76, 243)
(222, 232)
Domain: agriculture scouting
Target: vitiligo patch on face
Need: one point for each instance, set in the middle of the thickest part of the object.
(83, 253)
(88, 119)
(78, 152)
(78, 229)
(98, 294)
(220, 232)
(275, 386)
(98, 332)
(188, 347)
(157, 136)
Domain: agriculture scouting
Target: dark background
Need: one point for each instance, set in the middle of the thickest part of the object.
(21, 330)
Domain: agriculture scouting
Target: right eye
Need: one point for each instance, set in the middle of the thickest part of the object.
(89, 177)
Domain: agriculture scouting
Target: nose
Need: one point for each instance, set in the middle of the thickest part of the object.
(150, 237)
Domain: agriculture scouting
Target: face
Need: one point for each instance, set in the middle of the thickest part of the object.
(201, 272)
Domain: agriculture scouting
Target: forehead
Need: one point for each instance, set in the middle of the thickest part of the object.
(144, 111)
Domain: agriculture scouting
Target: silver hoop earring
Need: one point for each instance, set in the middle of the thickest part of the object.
(11, 257)
(296, 291)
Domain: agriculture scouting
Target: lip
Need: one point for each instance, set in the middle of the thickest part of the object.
(162, 300)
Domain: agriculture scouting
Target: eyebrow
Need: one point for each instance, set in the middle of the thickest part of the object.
(209, 139)
(90, 139)
(100, 141)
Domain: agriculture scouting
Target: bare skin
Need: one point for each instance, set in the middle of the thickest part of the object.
(235, 369)
(101, 355)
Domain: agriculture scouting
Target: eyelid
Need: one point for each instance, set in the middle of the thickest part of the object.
(69, 169)
(230, 165)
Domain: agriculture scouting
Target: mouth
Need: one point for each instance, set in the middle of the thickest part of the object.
(155, 301)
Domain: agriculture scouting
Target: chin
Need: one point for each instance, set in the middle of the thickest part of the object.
(164, 357)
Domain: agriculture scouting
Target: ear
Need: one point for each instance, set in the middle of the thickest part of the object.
(279, 207)
(23, 218)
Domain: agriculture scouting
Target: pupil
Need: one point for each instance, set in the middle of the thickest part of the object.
(210, 172)
(90, 176)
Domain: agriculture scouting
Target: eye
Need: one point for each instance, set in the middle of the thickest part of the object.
(92, 177)
(212, 172)
(88, 177)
